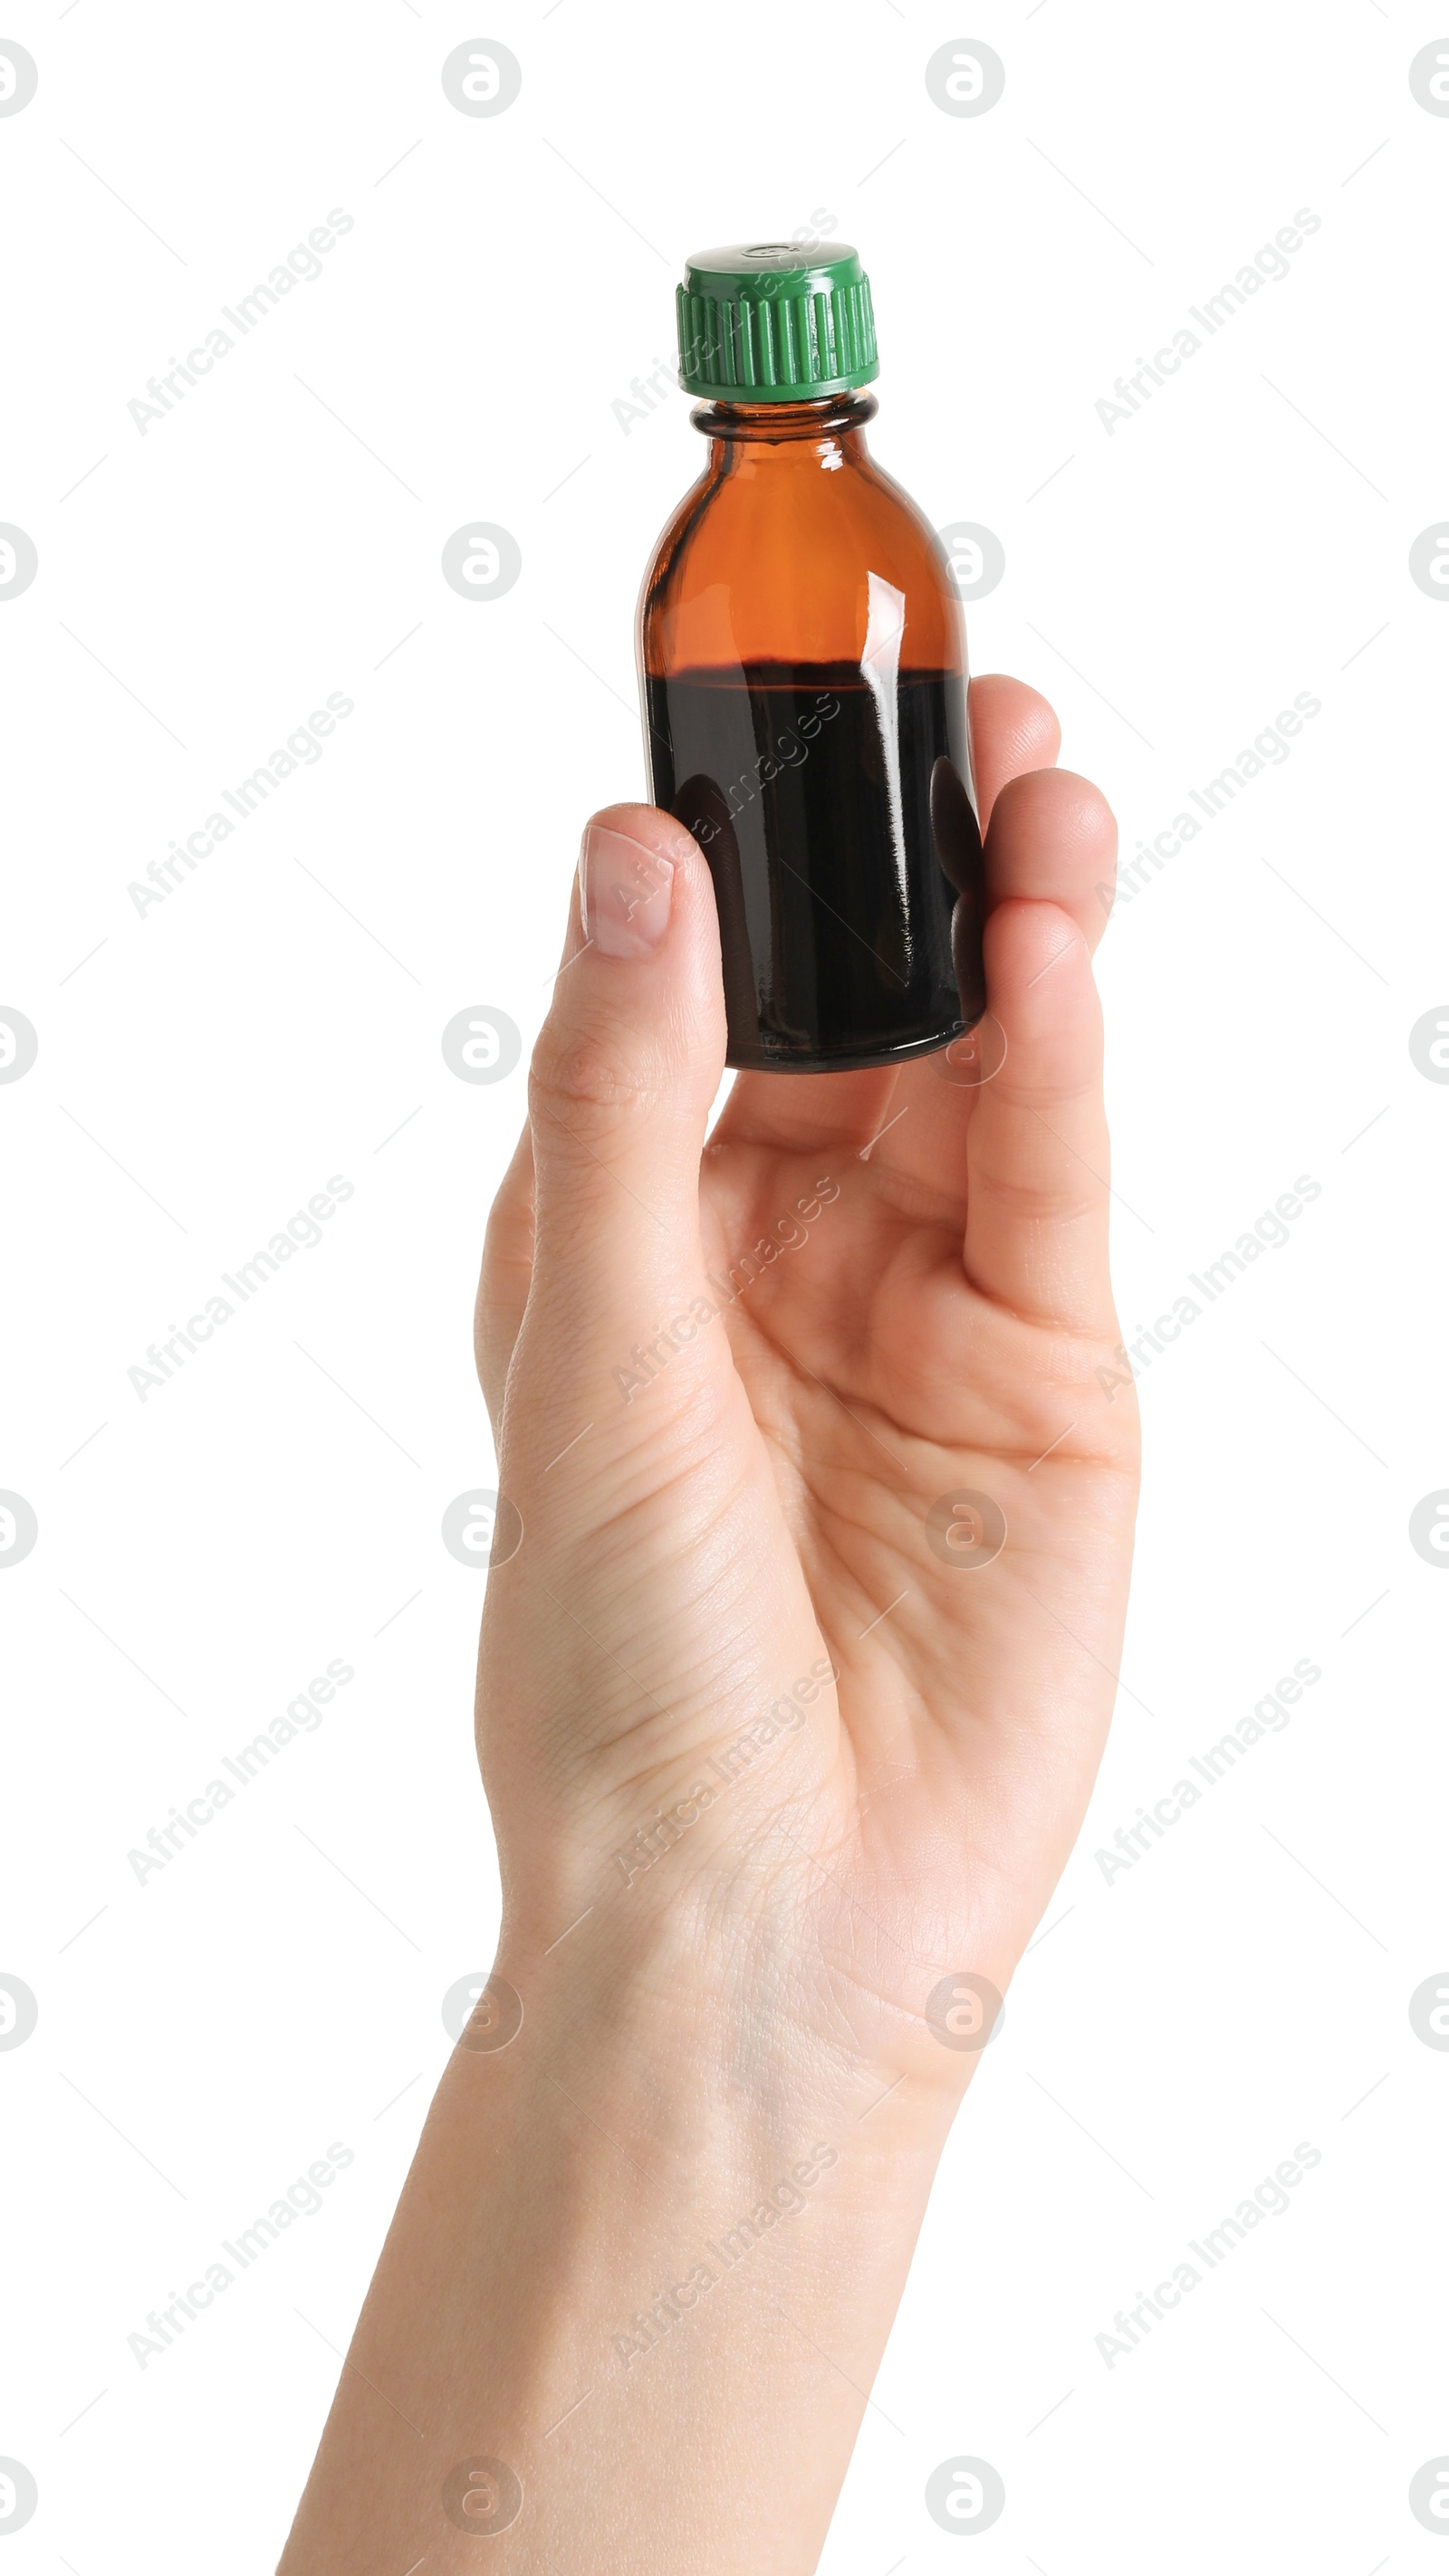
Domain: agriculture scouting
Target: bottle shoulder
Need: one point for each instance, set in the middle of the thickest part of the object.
(797, 558)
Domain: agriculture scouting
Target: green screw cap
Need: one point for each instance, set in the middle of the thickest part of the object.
(770, 322)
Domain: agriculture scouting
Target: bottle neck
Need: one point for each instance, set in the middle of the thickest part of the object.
(831, 425)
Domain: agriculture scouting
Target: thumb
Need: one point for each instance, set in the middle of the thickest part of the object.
(624, 1075)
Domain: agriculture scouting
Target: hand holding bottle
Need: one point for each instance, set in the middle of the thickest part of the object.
(736, 1387)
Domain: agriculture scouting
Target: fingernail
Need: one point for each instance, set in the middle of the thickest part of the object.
(625, 891)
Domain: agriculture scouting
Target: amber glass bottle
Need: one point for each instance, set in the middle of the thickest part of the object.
(803, 671)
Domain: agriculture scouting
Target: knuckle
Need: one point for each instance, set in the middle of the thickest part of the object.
(1046, 1199)
(586, 1082)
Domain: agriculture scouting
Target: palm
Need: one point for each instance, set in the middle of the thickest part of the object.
(881, 1382)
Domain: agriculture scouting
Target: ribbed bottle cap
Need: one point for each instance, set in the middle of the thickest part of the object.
(770, 322)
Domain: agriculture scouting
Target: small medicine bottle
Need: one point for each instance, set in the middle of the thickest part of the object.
(803, 673)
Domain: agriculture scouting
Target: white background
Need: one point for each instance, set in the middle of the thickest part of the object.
(1244, 1987)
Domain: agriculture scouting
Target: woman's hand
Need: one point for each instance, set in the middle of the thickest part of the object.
(765, 1407)
(792, 1688)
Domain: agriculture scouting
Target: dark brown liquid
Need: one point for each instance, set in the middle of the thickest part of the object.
(845, 853)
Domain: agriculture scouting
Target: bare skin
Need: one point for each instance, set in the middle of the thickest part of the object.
(782, 1737)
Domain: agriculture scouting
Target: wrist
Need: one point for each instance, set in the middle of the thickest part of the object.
(684, 2152)
(701, 2027)
(658, 2166)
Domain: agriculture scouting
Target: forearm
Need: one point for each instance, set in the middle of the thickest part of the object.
(647, 2257)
